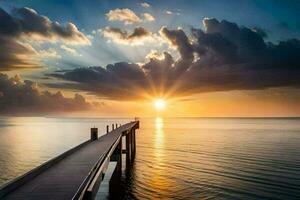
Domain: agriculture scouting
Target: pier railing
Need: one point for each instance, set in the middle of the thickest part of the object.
(78, 172)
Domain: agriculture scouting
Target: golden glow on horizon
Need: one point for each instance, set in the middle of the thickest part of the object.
(271, 103)
(159, 104)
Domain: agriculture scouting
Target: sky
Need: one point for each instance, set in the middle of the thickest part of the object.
(116, 58)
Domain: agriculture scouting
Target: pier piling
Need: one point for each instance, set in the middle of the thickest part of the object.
(127, 150)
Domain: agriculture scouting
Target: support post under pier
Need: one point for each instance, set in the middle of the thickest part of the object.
(134, 142)
(117, 156)
(128, 160)
(131, 145)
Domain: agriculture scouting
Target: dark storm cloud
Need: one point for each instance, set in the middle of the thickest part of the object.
(222, 57)
(179, 39)
(24, 97)
(26, 23)
(260, 31)
(139, 32)
(117, 80)
(138, 36)
(15, 54)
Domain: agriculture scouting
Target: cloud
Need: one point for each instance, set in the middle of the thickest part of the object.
(138, 37)
(260, 31)
(148, 17)
(18, 97)
(16, 55)
(128, 16)
(49, 53)
(125, 15)
(70, 50)
(154, 54)
(178, 39)
(145, 5)
(169, 12)
(24, 25)
(27, 22)
(114, 80)
(222, 57)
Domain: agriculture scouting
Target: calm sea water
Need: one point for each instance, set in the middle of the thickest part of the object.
(177, 158)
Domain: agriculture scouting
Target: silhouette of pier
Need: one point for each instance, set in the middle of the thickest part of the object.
(77, 173)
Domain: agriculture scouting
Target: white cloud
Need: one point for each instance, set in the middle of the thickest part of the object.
(145, 5)
(49, 53)
(169, 12)
(128, 16)
(70, 50)
(125, 15)
(148, 17)
(154, 54)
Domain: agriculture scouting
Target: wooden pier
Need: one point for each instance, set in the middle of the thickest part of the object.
(77, 173)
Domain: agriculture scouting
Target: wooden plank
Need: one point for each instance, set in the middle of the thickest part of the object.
(67, 176)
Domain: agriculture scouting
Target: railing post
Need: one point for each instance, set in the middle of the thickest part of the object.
(94, 134)
(107, 129)
(113, 127)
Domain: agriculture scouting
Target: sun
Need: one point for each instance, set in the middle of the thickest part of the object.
(159, 104)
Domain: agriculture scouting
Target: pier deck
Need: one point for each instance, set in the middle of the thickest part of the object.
(63, 179)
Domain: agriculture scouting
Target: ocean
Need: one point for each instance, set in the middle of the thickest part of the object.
(176, 158)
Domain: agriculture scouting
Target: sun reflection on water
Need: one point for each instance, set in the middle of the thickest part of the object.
(159, 183)
(159, 135)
